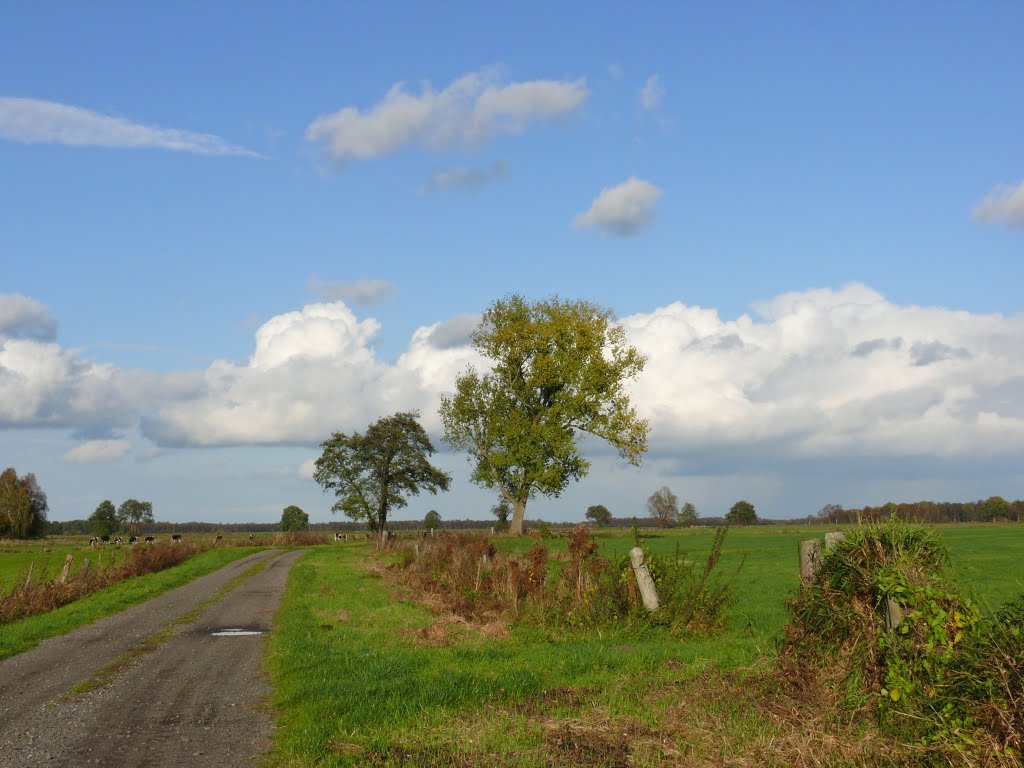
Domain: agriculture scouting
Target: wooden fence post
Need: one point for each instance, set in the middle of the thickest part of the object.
(28, 580)
(833, 537)
(809, 551)
(643, 579)
(67, 568)
(85, 566)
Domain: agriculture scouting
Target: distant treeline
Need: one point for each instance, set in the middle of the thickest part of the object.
(991, 509)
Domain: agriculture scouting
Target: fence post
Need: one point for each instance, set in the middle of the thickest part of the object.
(893, 614)
(67, 568)
(809, 551)
(833, 537)
(28, 580)
(643, 579)
(85, 566)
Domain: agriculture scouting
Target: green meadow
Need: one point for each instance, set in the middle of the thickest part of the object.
(365, 675)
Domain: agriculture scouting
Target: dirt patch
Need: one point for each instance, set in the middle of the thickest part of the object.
(582, 743)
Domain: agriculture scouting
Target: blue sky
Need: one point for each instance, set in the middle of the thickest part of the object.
(791, 191)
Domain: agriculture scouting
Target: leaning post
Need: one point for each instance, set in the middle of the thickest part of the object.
(648, 593)
(809, 551)
(67, 568)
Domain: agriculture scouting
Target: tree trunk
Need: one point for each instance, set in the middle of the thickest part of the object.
(518, 514)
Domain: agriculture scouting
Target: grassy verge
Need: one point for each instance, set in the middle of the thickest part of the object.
(19, 636)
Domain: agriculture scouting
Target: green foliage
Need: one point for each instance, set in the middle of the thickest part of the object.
(741, 513)
(372, 473)
(105, 520)
(432, 520)
(663, 506)
(687, 515)
(544, 529)
(132, 512)
(599, 515)
(294, 519)
(938, 675)
(559, 369)
(23, 506)
(502, 510)
(995, 508)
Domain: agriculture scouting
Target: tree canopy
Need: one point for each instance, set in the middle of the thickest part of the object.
(687, 514)
(294, 519)
(559, 370)
(373, 473)
(741, 513)
(23, 506)
(104, 520)
(132, 512)
(599, 515)
(432, 520)
(663, 506)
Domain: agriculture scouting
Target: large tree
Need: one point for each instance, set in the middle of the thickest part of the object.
(23, 505)
(558, 371)
(599, 515)
(104, 520)
(372, 473)
(294, 519)
(687, 515)
(663, 506)
(741, 513)
(132, 512)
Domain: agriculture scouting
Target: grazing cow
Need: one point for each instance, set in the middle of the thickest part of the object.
(93, 542)
(251, 537)
(132, 539)
(337, 537)
(218, 540)
(119, 541)
(105, 539)
(176, 537)
(149, 539)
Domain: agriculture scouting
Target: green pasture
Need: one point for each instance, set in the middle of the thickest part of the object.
(360, 680)
(46, 558)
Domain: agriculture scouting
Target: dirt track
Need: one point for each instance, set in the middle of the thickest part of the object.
(196, 700)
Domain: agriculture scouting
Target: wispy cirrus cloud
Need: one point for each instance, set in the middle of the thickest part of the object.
(622, 210)
(98, 452)
(652, 93)
(356, 291)
(1003, 205)
(467, 113)
(34, 121)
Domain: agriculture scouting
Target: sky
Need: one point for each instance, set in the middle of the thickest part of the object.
(230, 229)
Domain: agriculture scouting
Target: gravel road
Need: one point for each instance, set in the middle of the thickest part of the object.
(197, 700)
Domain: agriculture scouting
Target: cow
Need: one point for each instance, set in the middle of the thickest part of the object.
(93, 542)
(119, 541)
(105, 539)
(132, 539)
(252, 537)
(218, 540)
(337, 537)
(176, 537)
(150, 539)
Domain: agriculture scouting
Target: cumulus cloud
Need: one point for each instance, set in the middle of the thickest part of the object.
(622, 210)
(468, 113)
(307, 468)
(361, 292)
(652, 93)
(98, 452)
(25, 318)
(33, 121)
(1003, 205)
(811, 375)
(465, 178)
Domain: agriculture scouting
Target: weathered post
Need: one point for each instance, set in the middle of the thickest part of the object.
(28, 579)
(648, 593)
(893, 614)
(809, 551)
(67, 568)
(833, 537)
(85, 567)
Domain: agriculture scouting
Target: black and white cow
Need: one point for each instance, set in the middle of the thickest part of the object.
(94, 541)
(119, 541)
(252, 537)
(132, 539)
(176, 537)
(105, 539)
(218, 540)
(150, 539)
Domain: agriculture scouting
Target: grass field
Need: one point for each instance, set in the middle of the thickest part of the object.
(365, 676)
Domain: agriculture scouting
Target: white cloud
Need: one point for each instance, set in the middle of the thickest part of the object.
(652, 93)
(98, 452)
(25, 318)
(622, 210)
(468, 113)
(33, 121)
(361, 292)
(465, 178)
(307, 468)
(1003, 205)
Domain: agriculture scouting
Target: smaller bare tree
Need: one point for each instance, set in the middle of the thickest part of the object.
(663, 506)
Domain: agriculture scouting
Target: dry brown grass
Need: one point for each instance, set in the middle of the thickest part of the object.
(142, 559)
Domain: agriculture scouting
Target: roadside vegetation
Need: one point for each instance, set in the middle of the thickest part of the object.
(370, 669)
